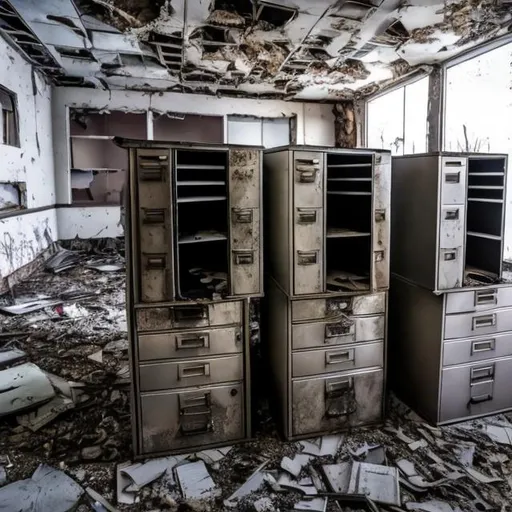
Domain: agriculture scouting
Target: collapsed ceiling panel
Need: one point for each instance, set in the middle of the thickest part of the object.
(291, 49)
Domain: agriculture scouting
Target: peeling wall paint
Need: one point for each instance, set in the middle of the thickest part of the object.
(314, 126)
(22, 238)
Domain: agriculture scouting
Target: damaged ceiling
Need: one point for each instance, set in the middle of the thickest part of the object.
(291, 49)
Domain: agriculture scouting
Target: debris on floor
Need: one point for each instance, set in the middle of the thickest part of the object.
(79, 421)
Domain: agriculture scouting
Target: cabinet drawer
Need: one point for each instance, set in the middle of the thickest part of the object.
(451, 230)
(195, 372)
(476, 389)
(171, 345)
(324, 404)
(192, 418)
(473, 324)
(308, 251)
(477, 349)
(453, 180)
(349, 330)
(349, 357)
(245, 247)
(308, 179)
(479, 300)
(318, 309)
(189, 316)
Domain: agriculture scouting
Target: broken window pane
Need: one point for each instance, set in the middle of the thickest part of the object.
(98, 165)
(259, 131)
(9, 125)
(386, 122)
(398, 120)
(13, 196)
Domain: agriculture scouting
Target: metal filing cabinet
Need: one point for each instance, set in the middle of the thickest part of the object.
(451, 308)
(194, 263)
(327, 238)
(448, 218)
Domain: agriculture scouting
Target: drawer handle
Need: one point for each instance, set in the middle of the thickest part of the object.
(199, 341)
(378, 256)
(346, 327)
(195, 414)
(380, 215)
(340, 398)
(308, 161)
(450, 255)
(482, 374)
(483, 346)
(340, 357)
(452, 214)
(306, 174)
(486, 297)
(452, 177)
(155, 262)
(151, 173)
(454, 163)
(242, 216)
(306, 216)
(189, 313)
(484, 321)
(198, 370)
(153, 216)
(307, 258)
(480, 398)
(243, 257)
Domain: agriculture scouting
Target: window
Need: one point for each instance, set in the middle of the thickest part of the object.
(13, 196)
(397, 120)
(258, 131)
(9, 125)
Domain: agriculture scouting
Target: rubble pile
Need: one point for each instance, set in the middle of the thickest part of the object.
(65, 429)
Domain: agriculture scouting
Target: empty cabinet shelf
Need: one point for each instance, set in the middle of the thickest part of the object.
(342, 232)
(200, 199)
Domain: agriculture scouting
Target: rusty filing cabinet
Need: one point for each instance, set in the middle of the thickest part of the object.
(327, 240)
(451, 303)
(194, 264)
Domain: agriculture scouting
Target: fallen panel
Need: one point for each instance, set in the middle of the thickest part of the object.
(338, 476)
(22, 387)
(195, 481)
(316, 504)
(252, 484)
(46, 413)
(378, 483)
(49, 490)
(8, 357)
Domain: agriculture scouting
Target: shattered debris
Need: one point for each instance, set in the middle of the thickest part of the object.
(195, 481)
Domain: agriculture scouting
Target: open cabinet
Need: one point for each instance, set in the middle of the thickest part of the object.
(198, 217)
(448, 219)
(328, 219)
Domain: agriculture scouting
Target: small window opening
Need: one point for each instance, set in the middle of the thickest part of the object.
(9, 124)
(276, 15)
(13, 196)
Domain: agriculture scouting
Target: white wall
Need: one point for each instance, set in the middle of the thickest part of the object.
(22, 237)
(315, 126)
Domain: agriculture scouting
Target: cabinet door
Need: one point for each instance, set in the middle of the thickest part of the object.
(154, 225)
(245, 222)
(381, 216)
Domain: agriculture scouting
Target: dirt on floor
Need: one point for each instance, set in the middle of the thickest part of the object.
(468, 466)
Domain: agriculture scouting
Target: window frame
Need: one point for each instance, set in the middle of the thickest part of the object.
(10, 117)
(399, 84)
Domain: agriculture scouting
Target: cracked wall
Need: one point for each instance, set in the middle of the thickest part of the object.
(23, 237)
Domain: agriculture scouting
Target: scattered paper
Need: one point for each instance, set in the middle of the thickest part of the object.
(294, 466)
(195, 481)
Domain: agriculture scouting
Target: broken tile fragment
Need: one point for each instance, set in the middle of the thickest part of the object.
(322, 446)
(23, 386)
(195, 481)
(430, 506)
(252, 484)
(49, 490)
(315, 504)
(8, 357)
(305, 485)
(294, 466)
(418, 444)
(45, 413)
(338, 476)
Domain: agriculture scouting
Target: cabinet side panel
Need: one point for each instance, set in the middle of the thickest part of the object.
(277, 348)
(414, 210)
(277, 217)
(414, 345)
